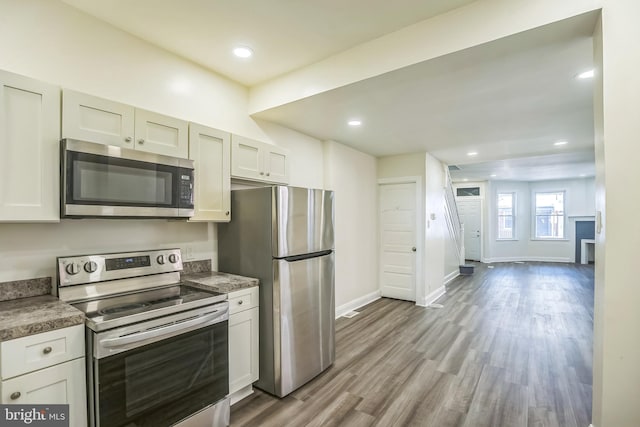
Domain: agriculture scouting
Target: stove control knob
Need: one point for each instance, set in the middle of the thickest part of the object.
(72, 268)
(90, 267)
(173, 258)
(160, 259)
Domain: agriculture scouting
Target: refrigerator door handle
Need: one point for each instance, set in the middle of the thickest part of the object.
(306, 256)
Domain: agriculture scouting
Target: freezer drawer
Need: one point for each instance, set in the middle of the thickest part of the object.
(304, 292)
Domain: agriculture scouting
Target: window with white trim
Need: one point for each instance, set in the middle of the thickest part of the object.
(506, 216)
(549, 215)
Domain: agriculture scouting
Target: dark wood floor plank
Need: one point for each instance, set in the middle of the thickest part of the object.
(511, 348)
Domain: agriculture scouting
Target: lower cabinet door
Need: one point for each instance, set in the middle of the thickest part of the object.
(243, 349)
(59, 384)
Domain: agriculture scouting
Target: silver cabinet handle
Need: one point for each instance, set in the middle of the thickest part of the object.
(261, 173)
(227, 213)
(268, 174)
(128, 139)
(240, 302)
(141, 141)
(15, 395)
(413, 249)
(47, 350)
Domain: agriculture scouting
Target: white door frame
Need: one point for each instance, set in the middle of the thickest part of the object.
(420, 215)
(469, 198)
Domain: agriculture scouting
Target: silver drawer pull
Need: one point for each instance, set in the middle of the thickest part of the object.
(15, 395)
(47, 350)
(240, 302)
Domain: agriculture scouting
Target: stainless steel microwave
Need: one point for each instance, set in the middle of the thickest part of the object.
(99, 180)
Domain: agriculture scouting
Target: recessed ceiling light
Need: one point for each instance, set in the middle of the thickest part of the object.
(493, 175)
(354, 122)
(466, 179)
(586, 74)
(243, 52)
(559, 143)
(472, 153)
(583, 175)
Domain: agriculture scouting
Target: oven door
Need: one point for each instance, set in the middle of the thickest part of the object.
(161, 383)
(102, 180)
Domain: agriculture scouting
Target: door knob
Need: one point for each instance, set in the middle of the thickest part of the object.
(413, 249)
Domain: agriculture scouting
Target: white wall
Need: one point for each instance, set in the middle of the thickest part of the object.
(53, 42)
(436, 232)
(617, 317)
(600, 252)
(401, 165)
(579, 204)
(476, 23)
(306, 159)
(30, 250)
(352, 175)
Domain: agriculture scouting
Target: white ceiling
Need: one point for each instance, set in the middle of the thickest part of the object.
(509, 99)
(284, 34)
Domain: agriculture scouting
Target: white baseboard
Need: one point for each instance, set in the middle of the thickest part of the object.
(432, 297)
(357, 303)
(529, 258)
(449, 277)
(241, 394)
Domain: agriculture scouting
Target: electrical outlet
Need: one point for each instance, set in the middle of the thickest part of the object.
(188, 253)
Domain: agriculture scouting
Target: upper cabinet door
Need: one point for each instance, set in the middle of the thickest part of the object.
(258, 161)
(276, 164)
(246, 158)
(29, 147)
(160, 134)
(94, 119)
(210, 150)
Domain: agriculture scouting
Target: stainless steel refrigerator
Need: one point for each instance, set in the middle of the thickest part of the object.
(284, 237)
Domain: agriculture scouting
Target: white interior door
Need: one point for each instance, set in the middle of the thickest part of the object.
(397, 214)
(471, 216)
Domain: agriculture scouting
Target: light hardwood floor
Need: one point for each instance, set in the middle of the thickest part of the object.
(512, 347)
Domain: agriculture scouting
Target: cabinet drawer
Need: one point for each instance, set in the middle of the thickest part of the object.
(60, 384)
(41, 350)
(243, 300)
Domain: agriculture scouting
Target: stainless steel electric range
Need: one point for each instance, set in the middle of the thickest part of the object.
(157, 349)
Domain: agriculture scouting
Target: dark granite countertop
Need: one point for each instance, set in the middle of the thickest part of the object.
(220, 282)
(35, 314)
(28, 316)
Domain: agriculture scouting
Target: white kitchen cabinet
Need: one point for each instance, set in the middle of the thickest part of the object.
(210, 150)
(257, 161)
(103, 121)
(160, 134)
(29, 143)
(243, 342)
(51, 368)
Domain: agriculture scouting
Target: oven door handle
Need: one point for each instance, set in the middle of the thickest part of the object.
(183, 326)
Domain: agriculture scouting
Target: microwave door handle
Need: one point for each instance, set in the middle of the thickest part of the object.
(155, 333)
